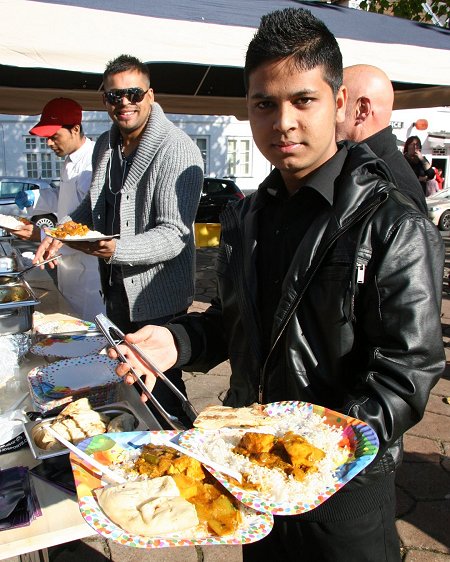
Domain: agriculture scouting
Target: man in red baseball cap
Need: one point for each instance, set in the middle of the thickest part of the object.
(60, 123)
(78, 275)
(58, 113)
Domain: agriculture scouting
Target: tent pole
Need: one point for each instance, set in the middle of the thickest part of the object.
(202, 80)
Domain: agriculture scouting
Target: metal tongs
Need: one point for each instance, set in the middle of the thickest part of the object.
(115, 337)
(19, 274)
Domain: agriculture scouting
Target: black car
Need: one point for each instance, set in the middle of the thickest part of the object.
(216, 194)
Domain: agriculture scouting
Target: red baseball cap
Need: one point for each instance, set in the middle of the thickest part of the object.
(57, 113)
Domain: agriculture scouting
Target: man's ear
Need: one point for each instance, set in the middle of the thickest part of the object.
(341, 104)
(363, 109)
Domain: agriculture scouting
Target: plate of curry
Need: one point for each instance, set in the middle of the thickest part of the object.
(293, 466)
(222, 518)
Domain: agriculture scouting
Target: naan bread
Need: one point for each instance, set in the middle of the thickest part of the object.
(148, 507)
(215, 417)
(76, 422)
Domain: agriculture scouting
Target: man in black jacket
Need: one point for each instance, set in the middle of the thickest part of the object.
(329, 290)
(367, 117)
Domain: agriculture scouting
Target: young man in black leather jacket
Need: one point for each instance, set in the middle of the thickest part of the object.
(329, 290)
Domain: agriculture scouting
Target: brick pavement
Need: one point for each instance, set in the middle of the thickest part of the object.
(423, 480)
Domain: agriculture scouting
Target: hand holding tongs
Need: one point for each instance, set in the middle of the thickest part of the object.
(113, 333)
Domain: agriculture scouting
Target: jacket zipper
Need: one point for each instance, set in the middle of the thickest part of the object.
(360, 272)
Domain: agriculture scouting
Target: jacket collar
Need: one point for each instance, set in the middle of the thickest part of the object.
(321, 180)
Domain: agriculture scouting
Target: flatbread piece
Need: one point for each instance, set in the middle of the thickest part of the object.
(215, 417)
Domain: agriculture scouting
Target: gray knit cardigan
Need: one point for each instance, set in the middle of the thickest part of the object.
(159, 201)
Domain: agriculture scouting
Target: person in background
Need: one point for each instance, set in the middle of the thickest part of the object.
(78, 273)
(367, 117)
(423, 170)
(146, 186)
(329, 290)
(432, 187)
(439, 177)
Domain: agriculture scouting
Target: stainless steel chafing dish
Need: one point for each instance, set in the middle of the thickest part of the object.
(32, 430)
(10, 258)
(17, 302)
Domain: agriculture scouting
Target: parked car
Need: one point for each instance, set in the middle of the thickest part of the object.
(439, 209)
(216, 194)
(11, 186)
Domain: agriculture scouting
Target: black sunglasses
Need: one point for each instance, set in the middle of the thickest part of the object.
(133, 95)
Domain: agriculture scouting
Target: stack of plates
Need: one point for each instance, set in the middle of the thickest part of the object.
(54, 386)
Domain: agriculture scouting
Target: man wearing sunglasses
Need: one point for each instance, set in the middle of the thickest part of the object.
(146, 185)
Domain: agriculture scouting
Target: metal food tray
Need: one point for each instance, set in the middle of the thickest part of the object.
(21, 291)
(10, 258)
(17, 315)
(144, 420)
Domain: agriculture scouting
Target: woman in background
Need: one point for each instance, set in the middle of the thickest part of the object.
(412, 151)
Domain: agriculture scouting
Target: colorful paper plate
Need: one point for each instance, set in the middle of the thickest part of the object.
(359, 437)
(106, 449)
(55, 385)
(69, 346)
(60, 325)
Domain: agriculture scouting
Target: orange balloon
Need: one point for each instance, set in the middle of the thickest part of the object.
(421, 124)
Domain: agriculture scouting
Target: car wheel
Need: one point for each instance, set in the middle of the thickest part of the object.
(444, 221)
(48, 221)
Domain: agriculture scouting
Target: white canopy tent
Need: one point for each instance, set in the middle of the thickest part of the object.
(195, 50)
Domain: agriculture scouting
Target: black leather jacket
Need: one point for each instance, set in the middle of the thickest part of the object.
(371, 349)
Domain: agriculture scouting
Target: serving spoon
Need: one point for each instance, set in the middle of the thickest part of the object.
(87, 458)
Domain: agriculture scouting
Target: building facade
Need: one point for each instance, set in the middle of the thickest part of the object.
(225, 143)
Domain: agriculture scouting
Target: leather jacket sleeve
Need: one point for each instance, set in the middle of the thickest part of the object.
(399, 311)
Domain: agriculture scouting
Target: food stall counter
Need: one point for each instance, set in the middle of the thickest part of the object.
(61, 520)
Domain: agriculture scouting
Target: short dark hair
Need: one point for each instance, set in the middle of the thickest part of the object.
(70, 127)
(295, 33)
(124, 63)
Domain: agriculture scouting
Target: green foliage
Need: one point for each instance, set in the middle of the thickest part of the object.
(409, 9)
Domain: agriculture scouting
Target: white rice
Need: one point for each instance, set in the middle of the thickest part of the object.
(273, 483)
(7, 221)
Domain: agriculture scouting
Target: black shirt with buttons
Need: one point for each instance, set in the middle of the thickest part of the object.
(283, 221)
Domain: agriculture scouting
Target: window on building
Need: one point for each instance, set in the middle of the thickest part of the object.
(42, 162)
(32, 166)
(202, 143)
(239, 157)
(46, 165)
(30, 143)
